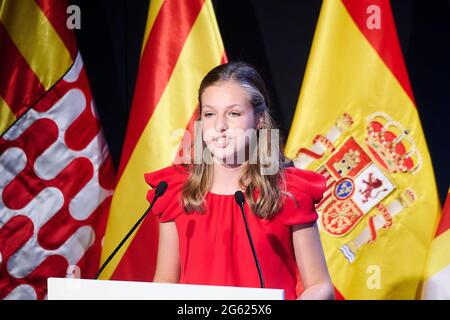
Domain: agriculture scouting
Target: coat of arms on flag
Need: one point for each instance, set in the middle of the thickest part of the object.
(358, 177)
(356, 123)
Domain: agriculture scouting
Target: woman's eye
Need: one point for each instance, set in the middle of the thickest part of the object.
(235, 114)
(207, 114)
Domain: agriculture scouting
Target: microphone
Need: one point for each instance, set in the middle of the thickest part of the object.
(160, 189)
(240, 199)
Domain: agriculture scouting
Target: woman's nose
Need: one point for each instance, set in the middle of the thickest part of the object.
(221, 124)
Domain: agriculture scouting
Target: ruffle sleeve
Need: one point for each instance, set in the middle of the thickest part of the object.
(306, 188)
(167, 207)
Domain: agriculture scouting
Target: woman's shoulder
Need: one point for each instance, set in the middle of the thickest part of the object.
(303, 190)
(168, 206)
(305, 181)
(172, 175)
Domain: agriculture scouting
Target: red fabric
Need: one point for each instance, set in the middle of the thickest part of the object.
(214, 248)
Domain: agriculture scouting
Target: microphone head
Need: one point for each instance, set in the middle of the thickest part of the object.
(160, 188)
(239, 197)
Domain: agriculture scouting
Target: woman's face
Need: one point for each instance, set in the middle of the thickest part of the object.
(226, 117)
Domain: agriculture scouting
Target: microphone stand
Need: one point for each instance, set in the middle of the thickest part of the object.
(160, 189)
(240, 199)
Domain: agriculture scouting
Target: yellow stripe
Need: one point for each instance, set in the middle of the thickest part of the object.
(36, 39)
(155, 6)
(439, 255)
(129, 196)
(6, 116)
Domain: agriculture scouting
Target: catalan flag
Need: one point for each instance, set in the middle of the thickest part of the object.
(32, 34)
(356, 123)
(437, 272)
(181, 44)
(56, 174)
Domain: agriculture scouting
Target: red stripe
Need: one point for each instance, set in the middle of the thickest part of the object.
(162, 49)
(383, 40)
(338, 295)
(373, 230)
(444, 224)
(19, 85)
(56, 13)
(224, 58)
(132, 267)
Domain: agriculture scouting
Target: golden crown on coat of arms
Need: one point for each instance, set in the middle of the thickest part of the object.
(391, 144)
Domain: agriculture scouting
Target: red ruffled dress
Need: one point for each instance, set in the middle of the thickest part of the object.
(214, 248)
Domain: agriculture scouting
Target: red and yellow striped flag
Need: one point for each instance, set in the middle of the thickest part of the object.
(36, 49)
(437, 272)
(357, 124)
(181, 44)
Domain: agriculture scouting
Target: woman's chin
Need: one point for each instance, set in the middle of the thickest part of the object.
(228, 159)
(223, 159)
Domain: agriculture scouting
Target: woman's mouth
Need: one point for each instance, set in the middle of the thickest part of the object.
(221, 142)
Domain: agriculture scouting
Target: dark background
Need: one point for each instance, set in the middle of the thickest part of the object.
(275, 36)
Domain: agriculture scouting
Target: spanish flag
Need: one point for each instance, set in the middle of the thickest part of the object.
(437, 272)
(357, 124)
(181, 44)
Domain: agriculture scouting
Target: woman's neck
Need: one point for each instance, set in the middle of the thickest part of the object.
(226, 178)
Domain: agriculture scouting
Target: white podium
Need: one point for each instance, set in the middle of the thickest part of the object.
(83, 289)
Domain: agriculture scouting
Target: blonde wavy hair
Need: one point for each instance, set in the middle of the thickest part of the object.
(201, 175)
